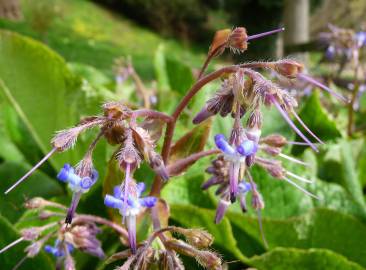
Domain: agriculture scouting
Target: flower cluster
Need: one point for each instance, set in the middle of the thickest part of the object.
(135, 133)
(343, 43)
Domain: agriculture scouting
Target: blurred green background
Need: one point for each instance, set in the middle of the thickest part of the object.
(57, 60)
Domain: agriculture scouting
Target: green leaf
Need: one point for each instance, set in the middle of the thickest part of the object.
(350, 175)
(192, 142)
(180, 75)
(39, 86)
(361, 165)
(11, 257)
(187, 190)
(319, 121)
(191, 216)
(320, 228)
(297, 259)
(38, 184)
(161, 69)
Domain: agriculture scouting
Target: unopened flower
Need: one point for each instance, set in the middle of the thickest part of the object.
(83, 237)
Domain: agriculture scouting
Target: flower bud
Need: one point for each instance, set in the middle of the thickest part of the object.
(209, 260)
(197, 237)
(221, 209)
(237, 40)
(288, 68)
(257, 201)
(276, 171)
(273, 151)
(31, 234)
(35, 203)
(274, 140)
(33, 249)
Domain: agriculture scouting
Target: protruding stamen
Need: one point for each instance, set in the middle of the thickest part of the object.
(74, 203)
(322, 86)
(300, 188)
(234, 178)
(11, 245)
(295, 160)
(131, 227)
(306, 127)
(299, 143)
(20, 263)
(126, 186)
(292, 125)
(266, 33)
(302, 179)
(31, 170)
(261, 228)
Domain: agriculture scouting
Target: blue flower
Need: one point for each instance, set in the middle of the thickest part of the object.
(243, 153)
(58, 250)
(134, 203)
(130, 207)
(245, 149)
(76, 183)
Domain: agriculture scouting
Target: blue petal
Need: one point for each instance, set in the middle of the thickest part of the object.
(148, 201)
(140, 188)
(63, 175)
(117, 192)
(86, 183)
(247, 148)
(49, 249)
(223, 145)
(112, 202)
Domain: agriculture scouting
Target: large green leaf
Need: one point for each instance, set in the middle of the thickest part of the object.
(179, 75)
(39, 85)
(321, 228)
(186, 190)
(350, 174)
(191, 216)
(297, 259)
(38, 184)
(12, 256)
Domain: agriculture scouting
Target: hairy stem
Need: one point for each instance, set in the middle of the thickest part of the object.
(152, 114)
(180, 164)
(90, 218)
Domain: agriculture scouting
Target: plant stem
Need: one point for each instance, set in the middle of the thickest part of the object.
(180, 164)
(152, 114)
(351, 104)
(90, 218)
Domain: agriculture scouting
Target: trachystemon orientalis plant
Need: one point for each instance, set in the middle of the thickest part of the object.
(346, 49)
(135, 133)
